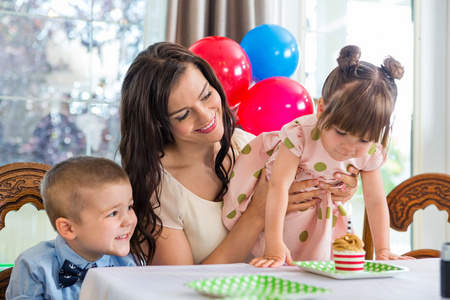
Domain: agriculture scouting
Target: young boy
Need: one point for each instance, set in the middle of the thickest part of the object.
(89, 202)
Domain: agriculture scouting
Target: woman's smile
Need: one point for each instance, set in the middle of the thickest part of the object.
(208, 128)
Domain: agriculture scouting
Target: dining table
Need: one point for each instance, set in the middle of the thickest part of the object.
(415, 279)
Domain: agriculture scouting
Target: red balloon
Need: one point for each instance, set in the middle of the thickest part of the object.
(230, 63)
(273, 102)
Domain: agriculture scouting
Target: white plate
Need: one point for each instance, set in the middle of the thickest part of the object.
(371, 270)
(255, 287)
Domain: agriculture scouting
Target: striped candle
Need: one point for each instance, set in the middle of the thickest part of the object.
(349, 214)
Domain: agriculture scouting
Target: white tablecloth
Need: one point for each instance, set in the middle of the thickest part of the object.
(422, 281)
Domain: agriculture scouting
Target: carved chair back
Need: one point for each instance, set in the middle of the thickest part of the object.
(404, 200)
(19, 185)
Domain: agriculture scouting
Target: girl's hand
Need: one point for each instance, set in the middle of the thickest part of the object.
(350, 187)
(275, 255)
(386, 254)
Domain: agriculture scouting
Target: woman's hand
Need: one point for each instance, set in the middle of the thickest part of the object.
(297, 200)
(303, 200)
(350, 186)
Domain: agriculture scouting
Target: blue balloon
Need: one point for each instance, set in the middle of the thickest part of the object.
(272, 51)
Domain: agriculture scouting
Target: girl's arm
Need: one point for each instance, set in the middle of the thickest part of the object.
(377, 210)
(283, 174)
(378, 214)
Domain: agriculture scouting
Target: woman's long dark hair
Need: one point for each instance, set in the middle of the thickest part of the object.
(145, 131)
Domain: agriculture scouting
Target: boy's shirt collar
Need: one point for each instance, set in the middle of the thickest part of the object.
(63, 252)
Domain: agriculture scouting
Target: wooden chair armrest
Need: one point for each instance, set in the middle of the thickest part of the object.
(423, 253)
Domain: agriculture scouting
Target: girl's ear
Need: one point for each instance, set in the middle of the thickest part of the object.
(65, 228)
(320, 107)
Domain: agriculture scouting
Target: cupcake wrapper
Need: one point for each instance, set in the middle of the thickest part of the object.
(349, 262)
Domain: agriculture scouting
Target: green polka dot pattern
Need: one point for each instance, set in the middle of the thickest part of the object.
(370, 268)
(320, 167)
(342, 210)
(315, 134)
(254, 287)
(372, 149)
(231, 215)
(303, 236)
(328, 216)
(288, 143)
(247, 149)
(319, 215)
(241, 198)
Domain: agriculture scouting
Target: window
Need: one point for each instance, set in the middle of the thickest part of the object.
(62, 69)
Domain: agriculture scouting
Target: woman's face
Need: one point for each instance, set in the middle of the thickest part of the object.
(195, 110)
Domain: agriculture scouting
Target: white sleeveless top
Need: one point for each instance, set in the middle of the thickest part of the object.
(200, 219)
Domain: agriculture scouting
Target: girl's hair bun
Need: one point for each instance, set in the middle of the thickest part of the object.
(349, 57)
(393, 68)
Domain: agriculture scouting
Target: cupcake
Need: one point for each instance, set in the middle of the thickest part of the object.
(348, 253)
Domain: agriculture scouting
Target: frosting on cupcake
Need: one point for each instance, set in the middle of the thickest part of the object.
(349, 242)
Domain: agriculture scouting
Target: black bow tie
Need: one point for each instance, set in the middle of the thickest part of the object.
(70, 273)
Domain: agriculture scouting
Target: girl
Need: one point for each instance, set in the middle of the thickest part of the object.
(351, 128)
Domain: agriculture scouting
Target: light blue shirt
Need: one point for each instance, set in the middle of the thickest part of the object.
(35, 272)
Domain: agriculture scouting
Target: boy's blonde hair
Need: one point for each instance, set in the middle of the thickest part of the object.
(65, 186)
(359, 97)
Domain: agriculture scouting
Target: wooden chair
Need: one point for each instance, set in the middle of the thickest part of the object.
(19, 185)
(413, 194)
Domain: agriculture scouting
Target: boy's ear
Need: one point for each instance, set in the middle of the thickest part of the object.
(320, 107)
(65, 228)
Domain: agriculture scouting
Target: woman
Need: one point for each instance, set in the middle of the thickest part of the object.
(178, 147)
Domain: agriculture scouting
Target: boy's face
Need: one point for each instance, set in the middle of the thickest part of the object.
(107, 222)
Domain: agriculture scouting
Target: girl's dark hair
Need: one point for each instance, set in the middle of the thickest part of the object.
(360, 97)
(145, 131)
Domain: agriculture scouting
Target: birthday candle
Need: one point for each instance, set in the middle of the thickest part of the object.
(349, 213)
